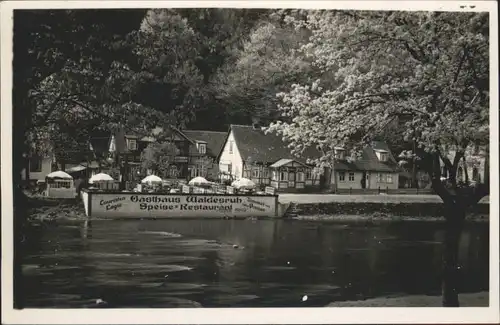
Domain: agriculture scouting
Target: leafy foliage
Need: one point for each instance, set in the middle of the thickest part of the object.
(265, 65)
(158, 156)
(430, 68)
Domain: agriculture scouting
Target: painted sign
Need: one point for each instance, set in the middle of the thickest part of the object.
(170, 205)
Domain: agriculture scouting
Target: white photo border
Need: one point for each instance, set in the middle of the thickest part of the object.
(242, 315)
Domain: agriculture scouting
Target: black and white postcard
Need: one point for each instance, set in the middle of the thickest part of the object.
(254, 162)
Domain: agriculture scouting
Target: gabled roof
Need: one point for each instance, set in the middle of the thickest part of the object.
(214, 139)
(256, 146)
(121, 135)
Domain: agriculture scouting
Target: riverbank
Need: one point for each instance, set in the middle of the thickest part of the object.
(366, 209)
(362, 198)
(42, 209)
(379, 211)
(479, 299)
(381, 218)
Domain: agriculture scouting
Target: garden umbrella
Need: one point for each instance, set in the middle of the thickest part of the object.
(151, 179)
(199, 181)
(243, 183)
(100, 177)
(59, 174)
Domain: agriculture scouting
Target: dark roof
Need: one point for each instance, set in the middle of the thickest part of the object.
(254, 145)
(215, 140)
(369, 160)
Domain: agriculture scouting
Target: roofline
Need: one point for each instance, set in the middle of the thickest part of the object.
(217, 157)
(182, 133)
(186, 130)
(170, 126)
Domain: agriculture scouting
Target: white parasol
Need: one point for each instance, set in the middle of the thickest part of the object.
(100, 177)
(151, 179)
(59, 174)
(199, 181)
(243, 183)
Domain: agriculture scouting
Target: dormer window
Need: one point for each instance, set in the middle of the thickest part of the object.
(382, 155)
(339, 153)
(202, 148)
(132, 144)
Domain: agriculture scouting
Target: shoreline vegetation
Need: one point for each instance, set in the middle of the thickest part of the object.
(42, 209)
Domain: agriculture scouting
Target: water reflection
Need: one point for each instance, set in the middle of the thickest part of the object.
(241, 263)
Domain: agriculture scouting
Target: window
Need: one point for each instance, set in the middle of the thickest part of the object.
(308, 174)
(255, 173)
(388, 178)
(283, 176)
(131, 144)
(351, 177)
(384, 156)
(201, 171)
(300, 177)
(460, 174)
(275, 175)
(341, 176)
(230, 147)
(35, 164)
(202, 148)
(339, 153)
(266, 173)
(172, 171)
(379, 178)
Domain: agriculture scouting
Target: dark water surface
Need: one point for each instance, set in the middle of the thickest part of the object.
(239, 263)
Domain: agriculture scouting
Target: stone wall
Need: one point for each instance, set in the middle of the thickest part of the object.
(399, 209)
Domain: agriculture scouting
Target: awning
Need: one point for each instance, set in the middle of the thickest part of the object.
(75, 169)
(283, 162)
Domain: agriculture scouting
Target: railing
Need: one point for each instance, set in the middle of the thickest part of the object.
(107, 185)
(384, 190)
(61, 184)
(270, 190)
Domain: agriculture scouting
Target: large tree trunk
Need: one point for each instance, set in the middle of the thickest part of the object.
(455, 215)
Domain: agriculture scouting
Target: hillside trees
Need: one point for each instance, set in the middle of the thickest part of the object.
(263, 67)
(218, 36)
(431, 67)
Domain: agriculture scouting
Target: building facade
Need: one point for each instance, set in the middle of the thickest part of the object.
(377, 169)
(38, 168)
(196, 152)
(267, 160)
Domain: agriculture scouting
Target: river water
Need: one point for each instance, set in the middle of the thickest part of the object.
(239, 263)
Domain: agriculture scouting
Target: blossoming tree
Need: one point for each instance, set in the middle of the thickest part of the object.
(428, 69)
